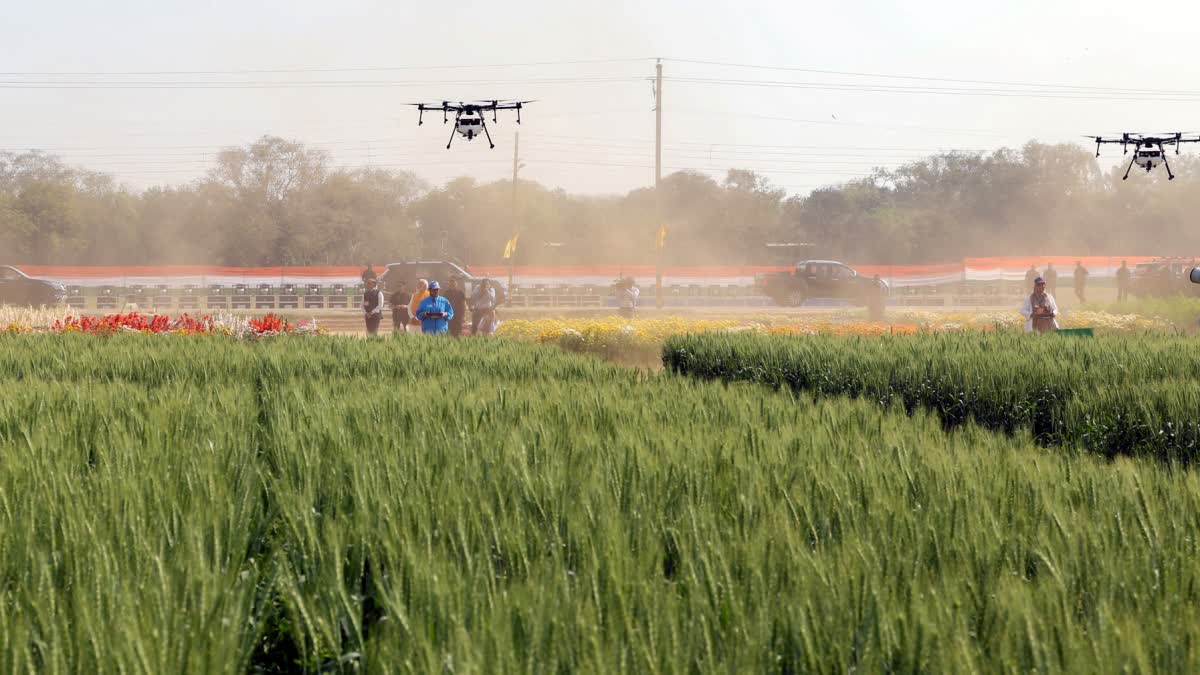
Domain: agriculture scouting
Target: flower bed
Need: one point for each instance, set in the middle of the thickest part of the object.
(161, 324)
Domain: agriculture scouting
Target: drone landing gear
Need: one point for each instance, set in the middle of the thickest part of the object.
(452, 132)
(1170, 176)
(491, 145)
(1127, 169)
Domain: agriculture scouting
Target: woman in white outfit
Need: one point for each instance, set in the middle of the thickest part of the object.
(1040, 310)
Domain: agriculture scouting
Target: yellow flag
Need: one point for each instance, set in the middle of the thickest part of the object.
(662, 237)
(511, 247)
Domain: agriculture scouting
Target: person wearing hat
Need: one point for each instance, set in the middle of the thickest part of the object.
(372, 306)
(435, 312)
(1040, 310)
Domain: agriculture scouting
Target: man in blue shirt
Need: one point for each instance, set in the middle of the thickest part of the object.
(435, 312)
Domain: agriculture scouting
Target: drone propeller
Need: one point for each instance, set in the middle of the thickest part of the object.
(504, 101)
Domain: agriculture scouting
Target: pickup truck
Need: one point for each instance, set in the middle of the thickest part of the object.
(821, 279)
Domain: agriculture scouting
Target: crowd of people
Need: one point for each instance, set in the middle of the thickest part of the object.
(429, 309)
(1041, 309)
(437, 313)
(1079, 279)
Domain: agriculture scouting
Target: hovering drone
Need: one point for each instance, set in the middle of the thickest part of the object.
(468, 117)
(1147, 150)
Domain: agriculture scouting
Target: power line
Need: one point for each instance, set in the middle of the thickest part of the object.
(574, 62)
(282, 71)
(650, 141)
(842, 123)
(946, 91)
(554, 162)
(342, 84)
(923, 77)
(557, 139)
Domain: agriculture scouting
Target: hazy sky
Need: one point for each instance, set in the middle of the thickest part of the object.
(75, 82)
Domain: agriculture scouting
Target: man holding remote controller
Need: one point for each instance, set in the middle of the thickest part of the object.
(435, 312)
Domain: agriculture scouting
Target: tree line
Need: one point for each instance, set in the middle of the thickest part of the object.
(279, 202)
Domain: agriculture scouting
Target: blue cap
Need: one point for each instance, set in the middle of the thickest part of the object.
(433, 286)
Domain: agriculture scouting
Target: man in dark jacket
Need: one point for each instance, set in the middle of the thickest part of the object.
(1123, 275)
(372, 306)
(1051, 277)
(1031, 274)
(1081, 277)
(400, 313)
(458, 298)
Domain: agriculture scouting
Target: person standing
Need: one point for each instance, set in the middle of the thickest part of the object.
(1040, 309)
(372, 306)
(1081, 277)
(435, 312)
(483, 308)
(1031, 274)
(627, 297)
(400, 313)
(457, 297)
(1123, 282)
(1051, 277)
(876, 300)
(418, 295)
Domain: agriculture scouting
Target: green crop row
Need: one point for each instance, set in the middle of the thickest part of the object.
(421, 505)
(1113, 395)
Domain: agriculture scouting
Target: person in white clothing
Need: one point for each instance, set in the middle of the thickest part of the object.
(483, 308)
(1040, 310)
(627, 296)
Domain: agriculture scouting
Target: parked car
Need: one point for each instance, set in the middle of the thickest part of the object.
(1162, 278)
(18, 288)
(431, 270)
(820, 279)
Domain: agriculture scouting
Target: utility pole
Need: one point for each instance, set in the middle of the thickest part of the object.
(658, 104)
(512, 258)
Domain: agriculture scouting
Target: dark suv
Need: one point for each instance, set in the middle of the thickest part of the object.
(18, 288)
(1162, 278)
(432, 270)
(820, 279)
